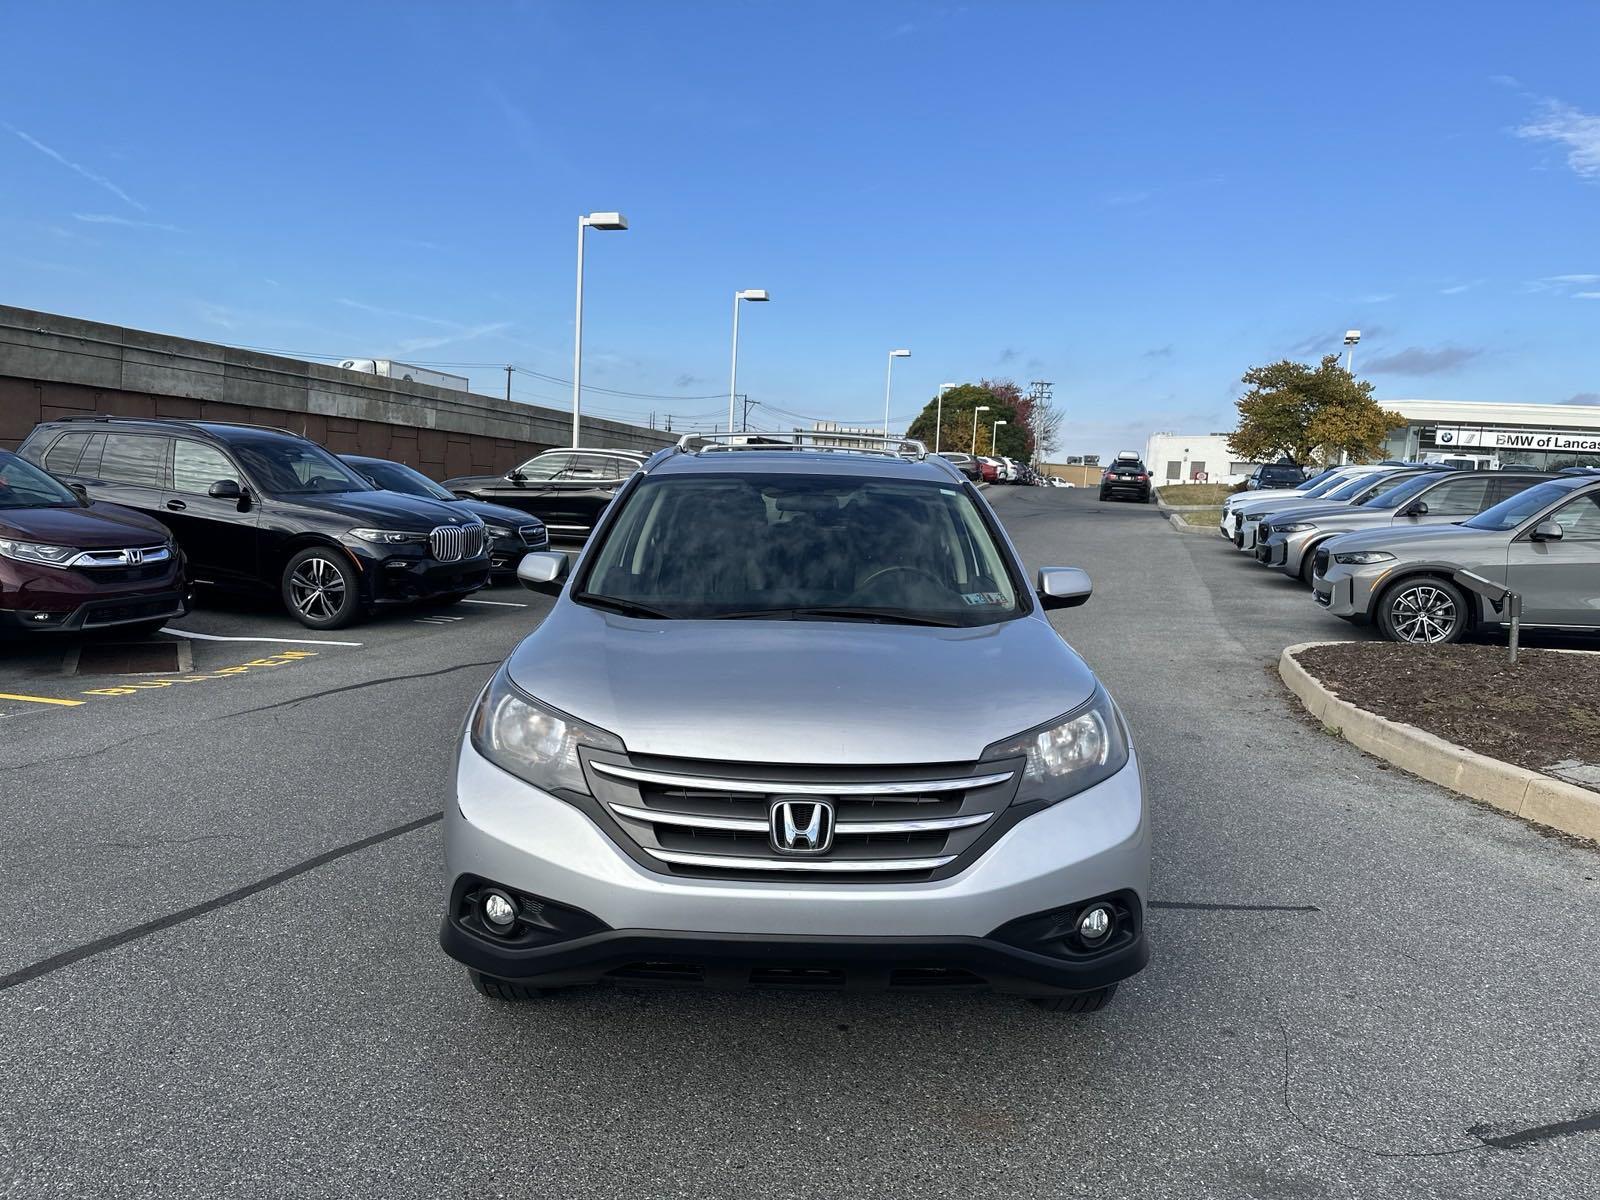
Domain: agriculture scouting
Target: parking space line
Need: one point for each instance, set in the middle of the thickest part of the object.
(216, 637)
(40, 700)
(497, 603)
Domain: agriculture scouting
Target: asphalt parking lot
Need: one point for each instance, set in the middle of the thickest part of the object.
(219, 976)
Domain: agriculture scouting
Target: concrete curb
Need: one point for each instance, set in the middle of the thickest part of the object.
(1182, 526)
(1516, 790)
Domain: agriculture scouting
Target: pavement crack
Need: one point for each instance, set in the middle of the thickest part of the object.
(356, 687)
(1321, 1135)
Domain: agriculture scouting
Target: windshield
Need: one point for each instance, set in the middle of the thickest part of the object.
(1514, 510)
(1321, 476)
(1350, 488)
(292, 468)
(1333, 480)
(1387, 484)
(23, 485)
(1409, 488)
(397, 477)
(818, 547)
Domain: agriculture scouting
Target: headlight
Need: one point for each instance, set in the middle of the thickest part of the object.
(1360, 558)
(532, 742)
(38, 552)
(1077, 752)
(1297, 527)
(388, 537)
(498, 531)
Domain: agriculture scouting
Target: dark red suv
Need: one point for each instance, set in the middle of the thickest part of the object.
(67, 563)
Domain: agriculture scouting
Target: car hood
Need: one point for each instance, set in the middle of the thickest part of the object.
(1265, 501)
(98, 527)
(1300, 511)
(1424, 539)
(385, 510)
(1353, 518)
(498, 513)
(795, 692)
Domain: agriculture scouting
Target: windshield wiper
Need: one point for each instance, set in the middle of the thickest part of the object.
(626, 608)
(887, 616)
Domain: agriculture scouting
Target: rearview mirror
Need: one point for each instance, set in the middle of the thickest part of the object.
(1064, 587)
(225, 489)
(1548, 531)
(543, 571)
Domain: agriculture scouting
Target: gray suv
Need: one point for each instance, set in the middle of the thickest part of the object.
(1287, 542)
(1543, 543)
(743, 749)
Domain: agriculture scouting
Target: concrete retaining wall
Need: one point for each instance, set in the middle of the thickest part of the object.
(53, 366)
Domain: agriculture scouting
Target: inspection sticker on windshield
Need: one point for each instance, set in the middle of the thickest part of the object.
(983, 598)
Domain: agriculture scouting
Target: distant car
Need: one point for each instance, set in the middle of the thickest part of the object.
(990, 469)
(964, 463)
(512, 532)
(1275, 475)
(68, 564)
(1543, 543)
(1126, 477)
(1361, 489)
(1288, 542)
(566, 489)
(262, 509)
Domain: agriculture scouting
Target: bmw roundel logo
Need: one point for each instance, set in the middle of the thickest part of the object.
(1447, 438)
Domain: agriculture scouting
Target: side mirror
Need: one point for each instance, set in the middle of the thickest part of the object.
(1548, 531)
(1064, 587)
(78, 490)
(225, 489)
(1417, 508)
(515, 476)
(543, 571)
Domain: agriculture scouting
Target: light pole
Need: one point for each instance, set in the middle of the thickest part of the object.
(1351, 337)
(938, 420)
(975, 412)
(604, 220)
(888, 382)
(754, 295)
(994, 442)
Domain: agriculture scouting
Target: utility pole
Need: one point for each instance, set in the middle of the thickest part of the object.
(508, 383)
(1040, 392)
(744, 424)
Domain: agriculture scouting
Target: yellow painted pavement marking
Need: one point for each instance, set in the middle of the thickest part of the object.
(40, 700)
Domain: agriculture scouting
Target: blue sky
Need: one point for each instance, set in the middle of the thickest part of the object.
(1134, 202)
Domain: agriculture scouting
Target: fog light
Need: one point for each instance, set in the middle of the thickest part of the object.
(498, 911)
(1095, 924)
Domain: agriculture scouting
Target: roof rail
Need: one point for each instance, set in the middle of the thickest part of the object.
(862, 443)
(191, 422)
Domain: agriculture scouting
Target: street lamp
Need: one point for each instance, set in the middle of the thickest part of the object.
(994, 442)
(888, 382)
(938, 420)
(1351, 337)
(754, 295)
(602, 220)
(975, 412)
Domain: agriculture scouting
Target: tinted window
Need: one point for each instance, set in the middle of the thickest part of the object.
(1508, 514)
(135, 458)
(397, 477)
(89, 464)
(64, 455)
(1350, 488)
(196, 466)
(23, 485)
(792, 546)
(287, 467)
(550, 465)
(1464, 497)
(1375, 491)
(1580, 520)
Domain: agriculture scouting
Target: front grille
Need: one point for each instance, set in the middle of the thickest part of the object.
(129, 565)
(713, 820)
(451, 543)
(534, 537)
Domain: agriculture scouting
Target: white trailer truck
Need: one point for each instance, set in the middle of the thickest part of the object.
(390, 369)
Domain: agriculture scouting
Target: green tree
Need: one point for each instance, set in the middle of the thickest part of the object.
(1000, 395)
(1309, 415)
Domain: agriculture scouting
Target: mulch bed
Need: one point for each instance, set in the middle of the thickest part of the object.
(1543, 712)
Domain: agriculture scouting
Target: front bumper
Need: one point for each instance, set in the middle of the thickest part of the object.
(1346, 592)
(1093, 845)
(104, 612)
(401, 580)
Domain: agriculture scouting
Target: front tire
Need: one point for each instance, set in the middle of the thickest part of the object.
(1426, 611)
(320, 589)
(502, 989)
(1077, 1002)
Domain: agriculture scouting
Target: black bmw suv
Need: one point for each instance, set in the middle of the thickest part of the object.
(1127, 476)
(257, 508)
(566, 489)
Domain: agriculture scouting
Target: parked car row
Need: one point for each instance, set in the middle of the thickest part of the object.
(984, 469)
(109, 522)
(1428, 552)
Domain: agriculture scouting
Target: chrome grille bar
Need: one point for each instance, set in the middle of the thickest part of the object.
(836, 866)
(451, 543)
(701, 783)
(758, 825)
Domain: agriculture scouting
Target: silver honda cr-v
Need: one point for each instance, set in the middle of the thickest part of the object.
(757, 741)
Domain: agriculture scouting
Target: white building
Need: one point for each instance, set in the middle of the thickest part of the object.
(1544, 436)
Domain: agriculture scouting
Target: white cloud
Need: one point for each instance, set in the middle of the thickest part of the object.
(400, 316)
(1578, 131)
(1376, 298)
(91, 176)
(1586, 295)
(412, 345)
(111, 219)
(1457, 289)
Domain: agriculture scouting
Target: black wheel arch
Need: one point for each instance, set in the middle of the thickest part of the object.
(1440, 571)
